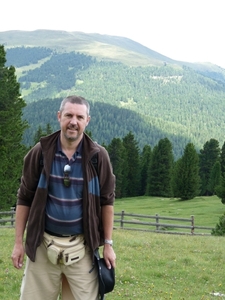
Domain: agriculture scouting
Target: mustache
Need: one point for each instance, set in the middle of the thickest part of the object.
(72, 127)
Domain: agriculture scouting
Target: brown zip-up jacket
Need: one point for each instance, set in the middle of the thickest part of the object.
(34, 189)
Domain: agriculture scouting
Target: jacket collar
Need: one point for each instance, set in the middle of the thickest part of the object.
(89, 146)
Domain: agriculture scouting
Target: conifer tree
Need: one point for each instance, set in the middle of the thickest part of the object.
(38, 134)
(220, 190)
(145, 161)
(42, 132)
(222, 160)
(132, 173)
(186, 179)
(11, 131)
(207, 158)
(175, 179)
(215, 177)
(116, 154)
(160, 175)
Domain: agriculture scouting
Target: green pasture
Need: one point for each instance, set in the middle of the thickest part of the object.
(206, 210)
(151, 266)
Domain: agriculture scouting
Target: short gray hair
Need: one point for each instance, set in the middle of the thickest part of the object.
(77, 100)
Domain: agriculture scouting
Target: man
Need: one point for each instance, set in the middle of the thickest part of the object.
(62, 201)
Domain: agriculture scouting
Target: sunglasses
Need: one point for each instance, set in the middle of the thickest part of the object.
(66, 173)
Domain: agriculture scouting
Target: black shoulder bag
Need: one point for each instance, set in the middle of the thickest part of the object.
(106, 276)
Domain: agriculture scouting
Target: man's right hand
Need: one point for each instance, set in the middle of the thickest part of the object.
(18, 255)
(22, 213)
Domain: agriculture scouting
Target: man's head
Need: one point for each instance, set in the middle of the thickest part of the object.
(77, 100)
(73, 117)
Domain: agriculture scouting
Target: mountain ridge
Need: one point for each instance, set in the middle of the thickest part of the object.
(80, 41)
(181, 99)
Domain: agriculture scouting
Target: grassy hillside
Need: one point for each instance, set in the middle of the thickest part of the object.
(175, 98)
(112, 48)
(206, 210)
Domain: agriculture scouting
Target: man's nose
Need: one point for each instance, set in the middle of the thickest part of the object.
(73, 120)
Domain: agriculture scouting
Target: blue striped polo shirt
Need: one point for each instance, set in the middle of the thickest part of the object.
(64, 210)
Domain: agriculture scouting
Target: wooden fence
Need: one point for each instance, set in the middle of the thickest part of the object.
(7, 218)
(130, 221)
(160, 224)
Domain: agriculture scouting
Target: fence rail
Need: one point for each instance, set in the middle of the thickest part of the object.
(127, 220)
(130, 221)
(7, 222)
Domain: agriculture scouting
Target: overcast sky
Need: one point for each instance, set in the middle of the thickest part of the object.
(187, 30)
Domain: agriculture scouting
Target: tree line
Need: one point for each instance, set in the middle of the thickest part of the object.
(155, 172)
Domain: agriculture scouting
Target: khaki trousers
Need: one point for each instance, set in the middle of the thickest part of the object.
(42, 279)
(66, 291)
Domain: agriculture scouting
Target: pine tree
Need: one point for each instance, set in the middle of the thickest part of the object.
(116, 154)
(145, 165)
(160, 174)
(42, 132)
(207, 158)
(186, 179)
(38, 134)
(11, 131)
(132, 173)
(220, 190)
(222, 160)
(176, 182)
(215, 178)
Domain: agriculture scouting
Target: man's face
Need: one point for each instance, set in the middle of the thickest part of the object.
(73, 121)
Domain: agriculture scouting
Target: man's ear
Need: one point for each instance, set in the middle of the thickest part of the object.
(59, 115)
(88, 120)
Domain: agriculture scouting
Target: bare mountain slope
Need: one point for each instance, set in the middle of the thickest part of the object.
(101, 46)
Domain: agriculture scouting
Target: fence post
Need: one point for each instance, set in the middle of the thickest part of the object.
(157, 221)
(192, 224)
(121, 220)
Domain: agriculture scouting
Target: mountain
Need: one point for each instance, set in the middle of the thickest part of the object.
(111, 48)
(159, 96)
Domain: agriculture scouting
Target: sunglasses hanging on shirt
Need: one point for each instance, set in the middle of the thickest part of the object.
(66, 173)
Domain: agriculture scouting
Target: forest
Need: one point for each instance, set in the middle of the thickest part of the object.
(167, 119)
(107, 122)
(164, 101)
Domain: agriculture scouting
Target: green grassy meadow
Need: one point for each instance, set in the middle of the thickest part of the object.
(206, 210)
(152, 266)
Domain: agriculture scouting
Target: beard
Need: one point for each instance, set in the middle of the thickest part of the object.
(72, 134)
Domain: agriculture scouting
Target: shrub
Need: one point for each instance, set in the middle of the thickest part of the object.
(219, 230)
